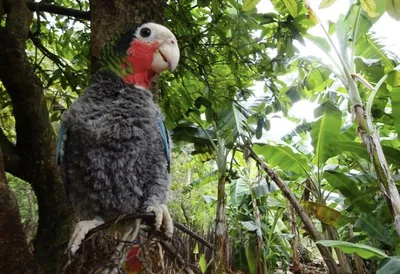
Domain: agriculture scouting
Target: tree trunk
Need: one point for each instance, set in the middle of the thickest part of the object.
(33, 157)
(15, 256)
(294, 242)
(109, 18)
(220, 228)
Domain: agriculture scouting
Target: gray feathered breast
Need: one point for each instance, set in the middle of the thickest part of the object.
(112, 153)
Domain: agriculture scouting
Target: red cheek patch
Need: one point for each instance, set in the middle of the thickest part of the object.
(140, 57)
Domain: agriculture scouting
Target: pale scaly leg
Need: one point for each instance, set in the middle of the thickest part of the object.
(80, 231)
(162, 218)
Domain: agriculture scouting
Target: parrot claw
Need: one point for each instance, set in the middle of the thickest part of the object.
(80, 231)
(163, 218)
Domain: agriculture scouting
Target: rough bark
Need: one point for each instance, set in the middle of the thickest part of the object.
(35, 147)
(220, 228)
(108, 18)
(15, 256)
(343, 262)
(295, 244)
(357, 259)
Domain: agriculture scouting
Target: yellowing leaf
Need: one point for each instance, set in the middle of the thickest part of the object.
(393, 9)
(250, 4)
(292, 7)
(369, 6)
(326, 4)
(325, 214)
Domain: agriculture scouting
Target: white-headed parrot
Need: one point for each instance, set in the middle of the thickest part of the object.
(113, 145)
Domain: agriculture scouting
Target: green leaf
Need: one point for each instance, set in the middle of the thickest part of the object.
(326, 4)
(260, 125)
(203, 263)
(215, 6)
(284, 157)
(370, 48)
(249, 225)
(250, 4)
(389, 265)
(196, 249)
(364, 251)
(251, 257)
(393, 9)
(320, 42)
(261, 190)
(292, 7)
(325, 131)
(392, 155)
(374, 228)
(318, 79)
(394, 77)
(343, 183)
(359, 20)
(238, 190)
(370, 7)
(342, 29)
(232, 123)
(209, 199)
(395, 96)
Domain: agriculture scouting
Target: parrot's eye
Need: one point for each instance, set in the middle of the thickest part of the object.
(145, 32)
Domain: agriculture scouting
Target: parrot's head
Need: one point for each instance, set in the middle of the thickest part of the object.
(138, 55)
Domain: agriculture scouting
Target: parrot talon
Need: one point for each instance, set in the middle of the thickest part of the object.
(162, 219)
(81, 229)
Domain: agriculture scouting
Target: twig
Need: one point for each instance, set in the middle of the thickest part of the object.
(85, 15)
(53, 57)
(192, 234)
(173, 252)
(148, 217)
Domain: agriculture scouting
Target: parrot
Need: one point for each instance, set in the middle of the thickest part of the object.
(113, 146)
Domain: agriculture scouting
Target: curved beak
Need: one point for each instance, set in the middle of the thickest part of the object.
(166, 56)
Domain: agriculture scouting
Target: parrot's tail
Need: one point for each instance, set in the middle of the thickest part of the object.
(133, 264)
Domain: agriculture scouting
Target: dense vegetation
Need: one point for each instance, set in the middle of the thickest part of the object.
(264, 202)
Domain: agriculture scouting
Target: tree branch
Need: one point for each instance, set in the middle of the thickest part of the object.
(6, 145)
(45, 51)
(326, 254)
(148, 217)
(192, 234)
(33, 6)
(15, 255)
(11, 159)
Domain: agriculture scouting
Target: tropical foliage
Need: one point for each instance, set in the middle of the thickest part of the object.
(261, 197)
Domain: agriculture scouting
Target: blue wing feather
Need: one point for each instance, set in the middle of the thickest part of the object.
(60, 141)
(165, 142)
(59, 152)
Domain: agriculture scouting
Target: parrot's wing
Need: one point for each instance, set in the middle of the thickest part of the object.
(60, 151)
(165, 142)
(60, 142)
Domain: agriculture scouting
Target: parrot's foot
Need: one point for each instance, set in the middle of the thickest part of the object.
(162, 218)
(80, 231)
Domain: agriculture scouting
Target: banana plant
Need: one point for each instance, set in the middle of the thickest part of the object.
(355, 50)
